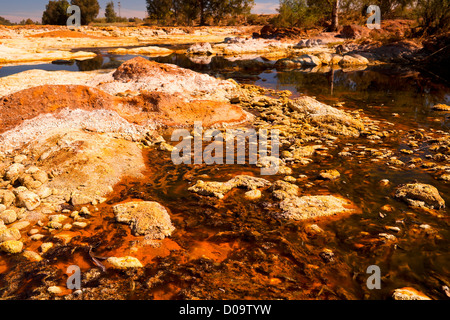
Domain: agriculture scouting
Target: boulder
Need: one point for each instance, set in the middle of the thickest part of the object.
(354, 31)
(11, 246)
(202, 48)
(420, 195)
(9, 234)
(7, 197)
(219, 189)
(28, 199)
(148, 219)
(310, 207)
(124, 263)
(326, 117)
(408, 293)
(353, 60)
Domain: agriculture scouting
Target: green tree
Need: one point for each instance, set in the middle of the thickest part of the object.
(191, 10)
(5, 22)
(89, 10)
(159, 9)
(56, 13)
(110, 14)
(434, 15)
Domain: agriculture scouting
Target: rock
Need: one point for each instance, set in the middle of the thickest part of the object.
(408, 293)
(219, 189)
(124, 263)
(308, 60)
(19, 225)
(57, 218)
(45, 247)
(92, 160)
(28, 199)
(14, 171)
(327, 255)
(329, 58)
(10, 234)
(11, 246)
(44, 192)
(420, 195)
(387, 236)
(149, 51)
(353, 60)
(314, 229)
(282, 190)
(80, 224)
(329, 174)
(55, 290)
(203, 48)
(20, 158)
(84, 211)
(327, 118)
(80, 199)
(309, 207)
(31, 256)
(8, 216)
(146, 218)
(7, 197)
(40, 176)
(441, 107)
(354, 31)
(37, 237)
(252, 194)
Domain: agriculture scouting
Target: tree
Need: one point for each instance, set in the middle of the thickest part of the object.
(434, 16)
(159, 9)
(89, 10)
(5, 22)
(56, 13)
(335, 16)
(110, 14)
(191, 10)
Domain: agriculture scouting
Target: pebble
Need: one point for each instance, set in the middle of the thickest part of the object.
(31, 255)
(46, 246)
(8, 216)
(21, 225)
(37, 237)
(80, 224)
(11, 246)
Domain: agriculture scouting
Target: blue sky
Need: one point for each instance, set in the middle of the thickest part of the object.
(22, 9)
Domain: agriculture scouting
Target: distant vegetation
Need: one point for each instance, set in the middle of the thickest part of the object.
(6, 22)
(56, 11)
(198, 12)
(432, 16)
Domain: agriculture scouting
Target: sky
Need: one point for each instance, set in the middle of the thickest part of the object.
(18, 10)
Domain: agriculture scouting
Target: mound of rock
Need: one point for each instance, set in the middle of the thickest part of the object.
(326, 117)
(408, 293)
(146, 218)
(202, 48)
(219, 189)
(174, 110)
(29, 103)
(420, 195)
(86, 165)
(310, 207)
